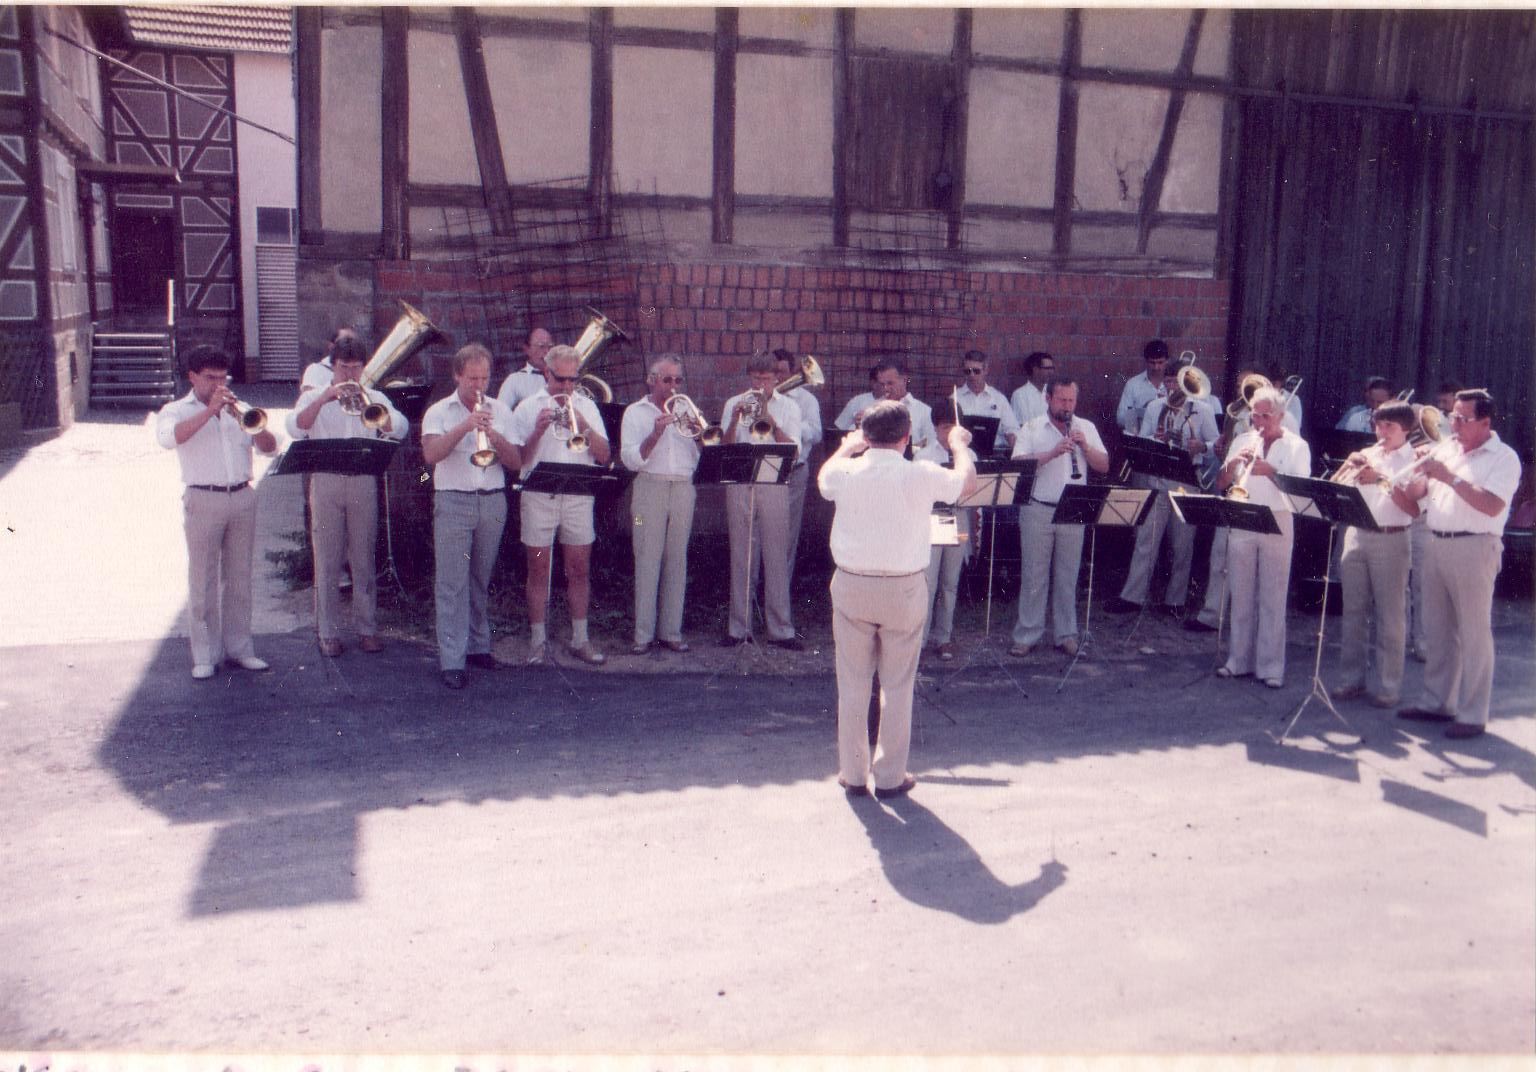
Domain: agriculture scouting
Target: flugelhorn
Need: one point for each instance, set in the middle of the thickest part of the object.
(691, 422)
(484, 455)
(564, 426)
(1239, 488)
(354, 399)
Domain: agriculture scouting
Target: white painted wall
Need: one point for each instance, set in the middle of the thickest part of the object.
(783, 125)
(663, 109)
(349, 101)
(268, 175)
(442, 145)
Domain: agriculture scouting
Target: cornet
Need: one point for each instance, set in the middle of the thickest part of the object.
(253, 421)
(691, 422)
(484, 455)
(354, 399)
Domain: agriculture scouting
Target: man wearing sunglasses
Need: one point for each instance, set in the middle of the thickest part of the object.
(661, 505)
(546, 515)
(977, 398)
(1029, 400)
(528, 380)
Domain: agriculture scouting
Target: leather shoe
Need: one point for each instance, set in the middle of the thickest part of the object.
(370, 644)
(787, 643)
(1195, 625)
(330, 647)
(538, 656)
(454, 679)
(640, 648)
(1348, 692)
(1068, 646)
(251, 662)
(854, 790)
(1121, 606)
(1018, 651)
(729, 641)
(1273, 683)
(1461, 731)
(1385, 702)
(675, 645)
(946, 651)
(1419, 714)
(202, 671)
(1223, 672)
(587, 654)
(483, 660)
(894, 791)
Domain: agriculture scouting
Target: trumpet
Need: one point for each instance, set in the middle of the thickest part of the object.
(1239, 488)
(253, 421)
(485, 455)
(1348, 473)
(691, 422)
(354, 399)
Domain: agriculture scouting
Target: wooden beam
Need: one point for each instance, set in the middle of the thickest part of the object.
(959, 124)
(842, 122)
(1157, 173)
(723, 184)
(482, 120)
(600, 143)
(394, 134)
(1066, 135)
(307, 26)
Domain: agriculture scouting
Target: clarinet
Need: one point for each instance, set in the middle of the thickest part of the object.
(1077, 473)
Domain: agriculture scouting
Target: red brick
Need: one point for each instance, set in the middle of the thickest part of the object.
(745, 320)
(715, 276)
(779, 320)
(810, 321)
(696, 295)
(760, 298)
(711, 319)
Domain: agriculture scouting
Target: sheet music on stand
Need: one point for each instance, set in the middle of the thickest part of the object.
(1337, 504)
(745, 463)
(1102, 504)
(353, 456)
(1000, 483)
(567, 478)
(1151, 458)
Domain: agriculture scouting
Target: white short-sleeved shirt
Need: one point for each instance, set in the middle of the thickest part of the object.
(810, 422)
(989, 403)
(218, 454)
(1386, 513)
(1289, 454)
(674, 453)
(550, 448)
(524, 383)
(318, 374)
(456, 472)
(1028, 402)
(883, 505)
(333, 422)
(856, 405)
(784, 411)
(1137, 395)
(1493, 467)
(1040, 435)
(1358, 419)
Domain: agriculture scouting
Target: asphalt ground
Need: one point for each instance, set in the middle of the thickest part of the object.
(340, 856)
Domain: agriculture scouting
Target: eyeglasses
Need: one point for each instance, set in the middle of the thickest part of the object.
(1462, 419)
(563, 379)
(974, 371)
(670, 379)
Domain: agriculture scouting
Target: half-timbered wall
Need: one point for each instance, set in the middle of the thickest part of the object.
(150, 125)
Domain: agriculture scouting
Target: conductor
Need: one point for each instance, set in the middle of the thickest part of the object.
(880, 543)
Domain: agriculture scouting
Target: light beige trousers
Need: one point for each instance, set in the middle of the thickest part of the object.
(661, 516)
(1458, 624)
(1373, 569)
(877, 623)
(221, 541)
(344, 524)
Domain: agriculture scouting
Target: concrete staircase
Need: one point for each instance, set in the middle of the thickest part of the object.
(133, 368)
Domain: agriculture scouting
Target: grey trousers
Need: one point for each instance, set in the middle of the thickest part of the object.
(1418, 542)
(221, 541)
(1259, 571)
(943, 580)
(1458, 622)
(768, 519)
(877, 623)
(1149, 540)
(1373, 568)
(799, 479)
(466, 536)
(661, 515)
(344, 524)
(1050, 557)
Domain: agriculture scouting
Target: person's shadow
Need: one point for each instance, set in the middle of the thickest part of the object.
(931, 865)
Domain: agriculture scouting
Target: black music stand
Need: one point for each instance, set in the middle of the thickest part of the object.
(569, 478)
(1151, 458)
(1337, 504)
(1336, 444)
(409, 398)
(983, 432)
(734, 464)
(1092, 505)
(352, 456)
(1001, 484)
(1221, 512)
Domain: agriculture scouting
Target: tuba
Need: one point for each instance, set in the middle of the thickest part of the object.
(411, 332)
(594, 339)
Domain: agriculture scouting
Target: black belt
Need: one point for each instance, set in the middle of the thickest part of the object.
(1391, 528)
(226, 488)
(476, 491)
(1042, 502)
(879, 576)
(1458, 535)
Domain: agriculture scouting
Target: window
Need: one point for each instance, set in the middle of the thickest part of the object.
(276, 226)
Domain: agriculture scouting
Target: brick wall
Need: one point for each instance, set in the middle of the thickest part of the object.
(717, 315)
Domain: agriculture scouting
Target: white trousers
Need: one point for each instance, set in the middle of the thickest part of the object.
(661, 515)
(221, 540)
(1149, 541)
(768, 521)
(1259, 571)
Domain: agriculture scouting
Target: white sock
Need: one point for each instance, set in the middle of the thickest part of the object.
(539, 635)
(578, 632)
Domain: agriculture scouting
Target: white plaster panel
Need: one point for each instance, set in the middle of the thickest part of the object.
(349, 100)
(1011, 138)
(1018, 33)
(663, 108)
(1117, 132)
(548, 13)
(905, 29)
(542, 91)
(666, 18)
(1147, 40)
(1211, 58)
(267, 173)
(804, 25)
(442, 146)
(1194, 166)
(784, 125)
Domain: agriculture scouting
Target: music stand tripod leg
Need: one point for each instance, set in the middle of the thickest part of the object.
(1319, 691)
